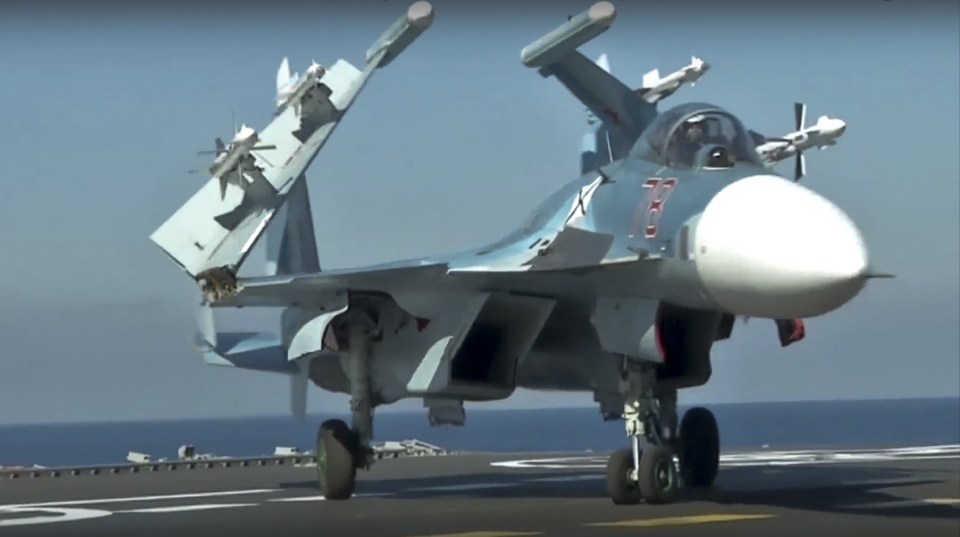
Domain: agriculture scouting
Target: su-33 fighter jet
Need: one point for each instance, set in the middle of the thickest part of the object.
(619, 283)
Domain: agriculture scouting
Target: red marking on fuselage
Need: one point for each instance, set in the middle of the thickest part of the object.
(422, 324)
(653, 205)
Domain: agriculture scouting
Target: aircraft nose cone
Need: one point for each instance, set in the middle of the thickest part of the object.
(768, 247)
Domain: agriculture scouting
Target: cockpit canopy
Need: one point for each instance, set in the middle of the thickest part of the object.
(692, 135)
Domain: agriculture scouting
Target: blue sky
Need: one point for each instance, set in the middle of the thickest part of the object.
(449, 146)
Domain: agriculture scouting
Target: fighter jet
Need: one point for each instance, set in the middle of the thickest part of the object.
(823, 133)
(618, 284)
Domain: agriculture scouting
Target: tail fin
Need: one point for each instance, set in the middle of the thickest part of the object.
(291, 249)
(620, 108)
(291, 242)
(604, 62)
(602, 145)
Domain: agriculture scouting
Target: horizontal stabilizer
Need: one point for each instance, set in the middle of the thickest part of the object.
(248, 350)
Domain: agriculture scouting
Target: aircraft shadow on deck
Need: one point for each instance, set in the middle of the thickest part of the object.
(826, 489)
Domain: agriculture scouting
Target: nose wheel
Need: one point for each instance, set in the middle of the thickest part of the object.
(669, 461)
(621, 483)
(656, 480)
(658, 477)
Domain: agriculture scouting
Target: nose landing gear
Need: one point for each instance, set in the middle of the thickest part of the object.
(658, 471)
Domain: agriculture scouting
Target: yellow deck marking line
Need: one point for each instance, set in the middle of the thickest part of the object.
(679, 520)
(488, 534)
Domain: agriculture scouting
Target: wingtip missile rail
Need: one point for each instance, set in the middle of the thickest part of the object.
(567, 37)
(402, 33)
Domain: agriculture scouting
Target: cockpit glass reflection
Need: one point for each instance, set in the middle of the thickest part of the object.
(703, 130)
(697, 135)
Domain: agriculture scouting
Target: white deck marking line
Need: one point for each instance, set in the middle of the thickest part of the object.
(50, 516)
(929, 502)
(458, 488)
(132, 499)
(564, 479)
(760, 463)
(186, 508)
(320, 498)
(765, 458)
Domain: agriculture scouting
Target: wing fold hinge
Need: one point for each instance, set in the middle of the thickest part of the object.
(217, 284)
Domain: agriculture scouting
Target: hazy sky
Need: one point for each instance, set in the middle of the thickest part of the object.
(449, 146)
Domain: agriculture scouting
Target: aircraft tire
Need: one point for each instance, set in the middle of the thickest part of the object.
(622, 490)
(658, 476)
(699, 447)
(336, 471)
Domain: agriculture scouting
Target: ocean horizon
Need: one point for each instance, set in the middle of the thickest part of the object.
(842, 424)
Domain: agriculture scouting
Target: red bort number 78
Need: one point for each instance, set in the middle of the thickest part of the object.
(660, 190)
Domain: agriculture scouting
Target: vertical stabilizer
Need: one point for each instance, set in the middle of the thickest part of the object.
(291, 241)
(602, 144)
(291, 249)
(624, 113)
(604, 62)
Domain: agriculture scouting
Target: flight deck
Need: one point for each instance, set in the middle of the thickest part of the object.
(881, 492)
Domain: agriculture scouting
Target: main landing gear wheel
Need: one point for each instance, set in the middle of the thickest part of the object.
(336, 460)
(699, 447)
(620, 484)
(657, 477)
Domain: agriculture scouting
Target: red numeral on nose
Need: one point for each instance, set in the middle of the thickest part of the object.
(660, 190)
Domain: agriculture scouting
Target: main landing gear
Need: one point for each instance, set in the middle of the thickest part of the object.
(656, 472)
(342, 450)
